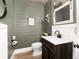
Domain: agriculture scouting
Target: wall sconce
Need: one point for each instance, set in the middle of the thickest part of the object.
(46, 19)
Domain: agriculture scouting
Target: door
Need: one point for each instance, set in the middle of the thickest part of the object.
(3, 42)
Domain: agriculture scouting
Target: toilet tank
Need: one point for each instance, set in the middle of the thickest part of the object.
(3, 41)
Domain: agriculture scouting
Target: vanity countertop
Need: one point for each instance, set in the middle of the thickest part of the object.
(57, 41)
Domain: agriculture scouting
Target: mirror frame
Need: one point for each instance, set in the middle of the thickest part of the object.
(71, 20)
(5, 9)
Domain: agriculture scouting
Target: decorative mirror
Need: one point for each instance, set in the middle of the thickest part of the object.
(3, 9)
(64, 14)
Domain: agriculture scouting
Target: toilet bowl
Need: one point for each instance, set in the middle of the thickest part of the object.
(37, 48)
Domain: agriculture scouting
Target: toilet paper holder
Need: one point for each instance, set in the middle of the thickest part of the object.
(13, 41)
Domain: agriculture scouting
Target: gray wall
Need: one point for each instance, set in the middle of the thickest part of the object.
(48, 8)
(9, 20)
(17, 21)
(25, 34)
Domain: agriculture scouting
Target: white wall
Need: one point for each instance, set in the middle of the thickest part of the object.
(67, 31)
(3, 42)
(77, 16)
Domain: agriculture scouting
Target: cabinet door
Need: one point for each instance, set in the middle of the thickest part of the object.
(64, 51)
(51, 55)
(44, 52)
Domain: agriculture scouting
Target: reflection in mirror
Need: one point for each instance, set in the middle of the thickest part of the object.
(3, 9)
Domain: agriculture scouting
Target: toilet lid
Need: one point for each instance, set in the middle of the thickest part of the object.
(37, 45)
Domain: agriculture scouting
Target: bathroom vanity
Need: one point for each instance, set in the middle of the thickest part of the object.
(56, 48)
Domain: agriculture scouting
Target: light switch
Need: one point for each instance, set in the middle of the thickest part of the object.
(31, 21)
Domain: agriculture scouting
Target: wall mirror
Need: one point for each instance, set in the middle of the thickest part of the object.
(64, 13)
(3, 9)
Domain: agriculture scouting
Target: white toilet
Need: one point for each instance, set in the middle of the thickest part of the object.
(37, 48)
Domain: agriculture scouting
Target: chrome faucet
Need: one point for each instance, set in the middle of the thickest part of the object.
(57, 33)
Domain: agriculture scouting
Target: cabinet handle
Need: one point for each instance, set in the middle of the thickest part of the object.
(76, 45)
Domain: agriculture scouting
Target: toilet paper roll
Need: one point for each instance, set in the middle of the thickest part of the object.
(13, 37)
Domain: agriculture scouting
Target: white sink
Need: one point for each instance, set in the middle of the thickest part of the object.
(56, 41)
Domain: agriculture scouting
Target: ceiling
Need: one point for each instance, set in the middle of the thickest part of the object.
(39, 1)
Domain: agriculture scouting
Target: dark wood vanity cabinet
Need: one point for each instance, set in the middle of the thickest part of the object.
(61, 51)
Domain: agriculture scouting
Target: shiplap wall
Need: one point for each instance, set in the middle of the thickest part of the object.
(25, 34)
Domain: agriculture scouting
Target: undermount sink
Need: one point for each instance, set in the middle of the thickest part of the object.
(56, 41)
